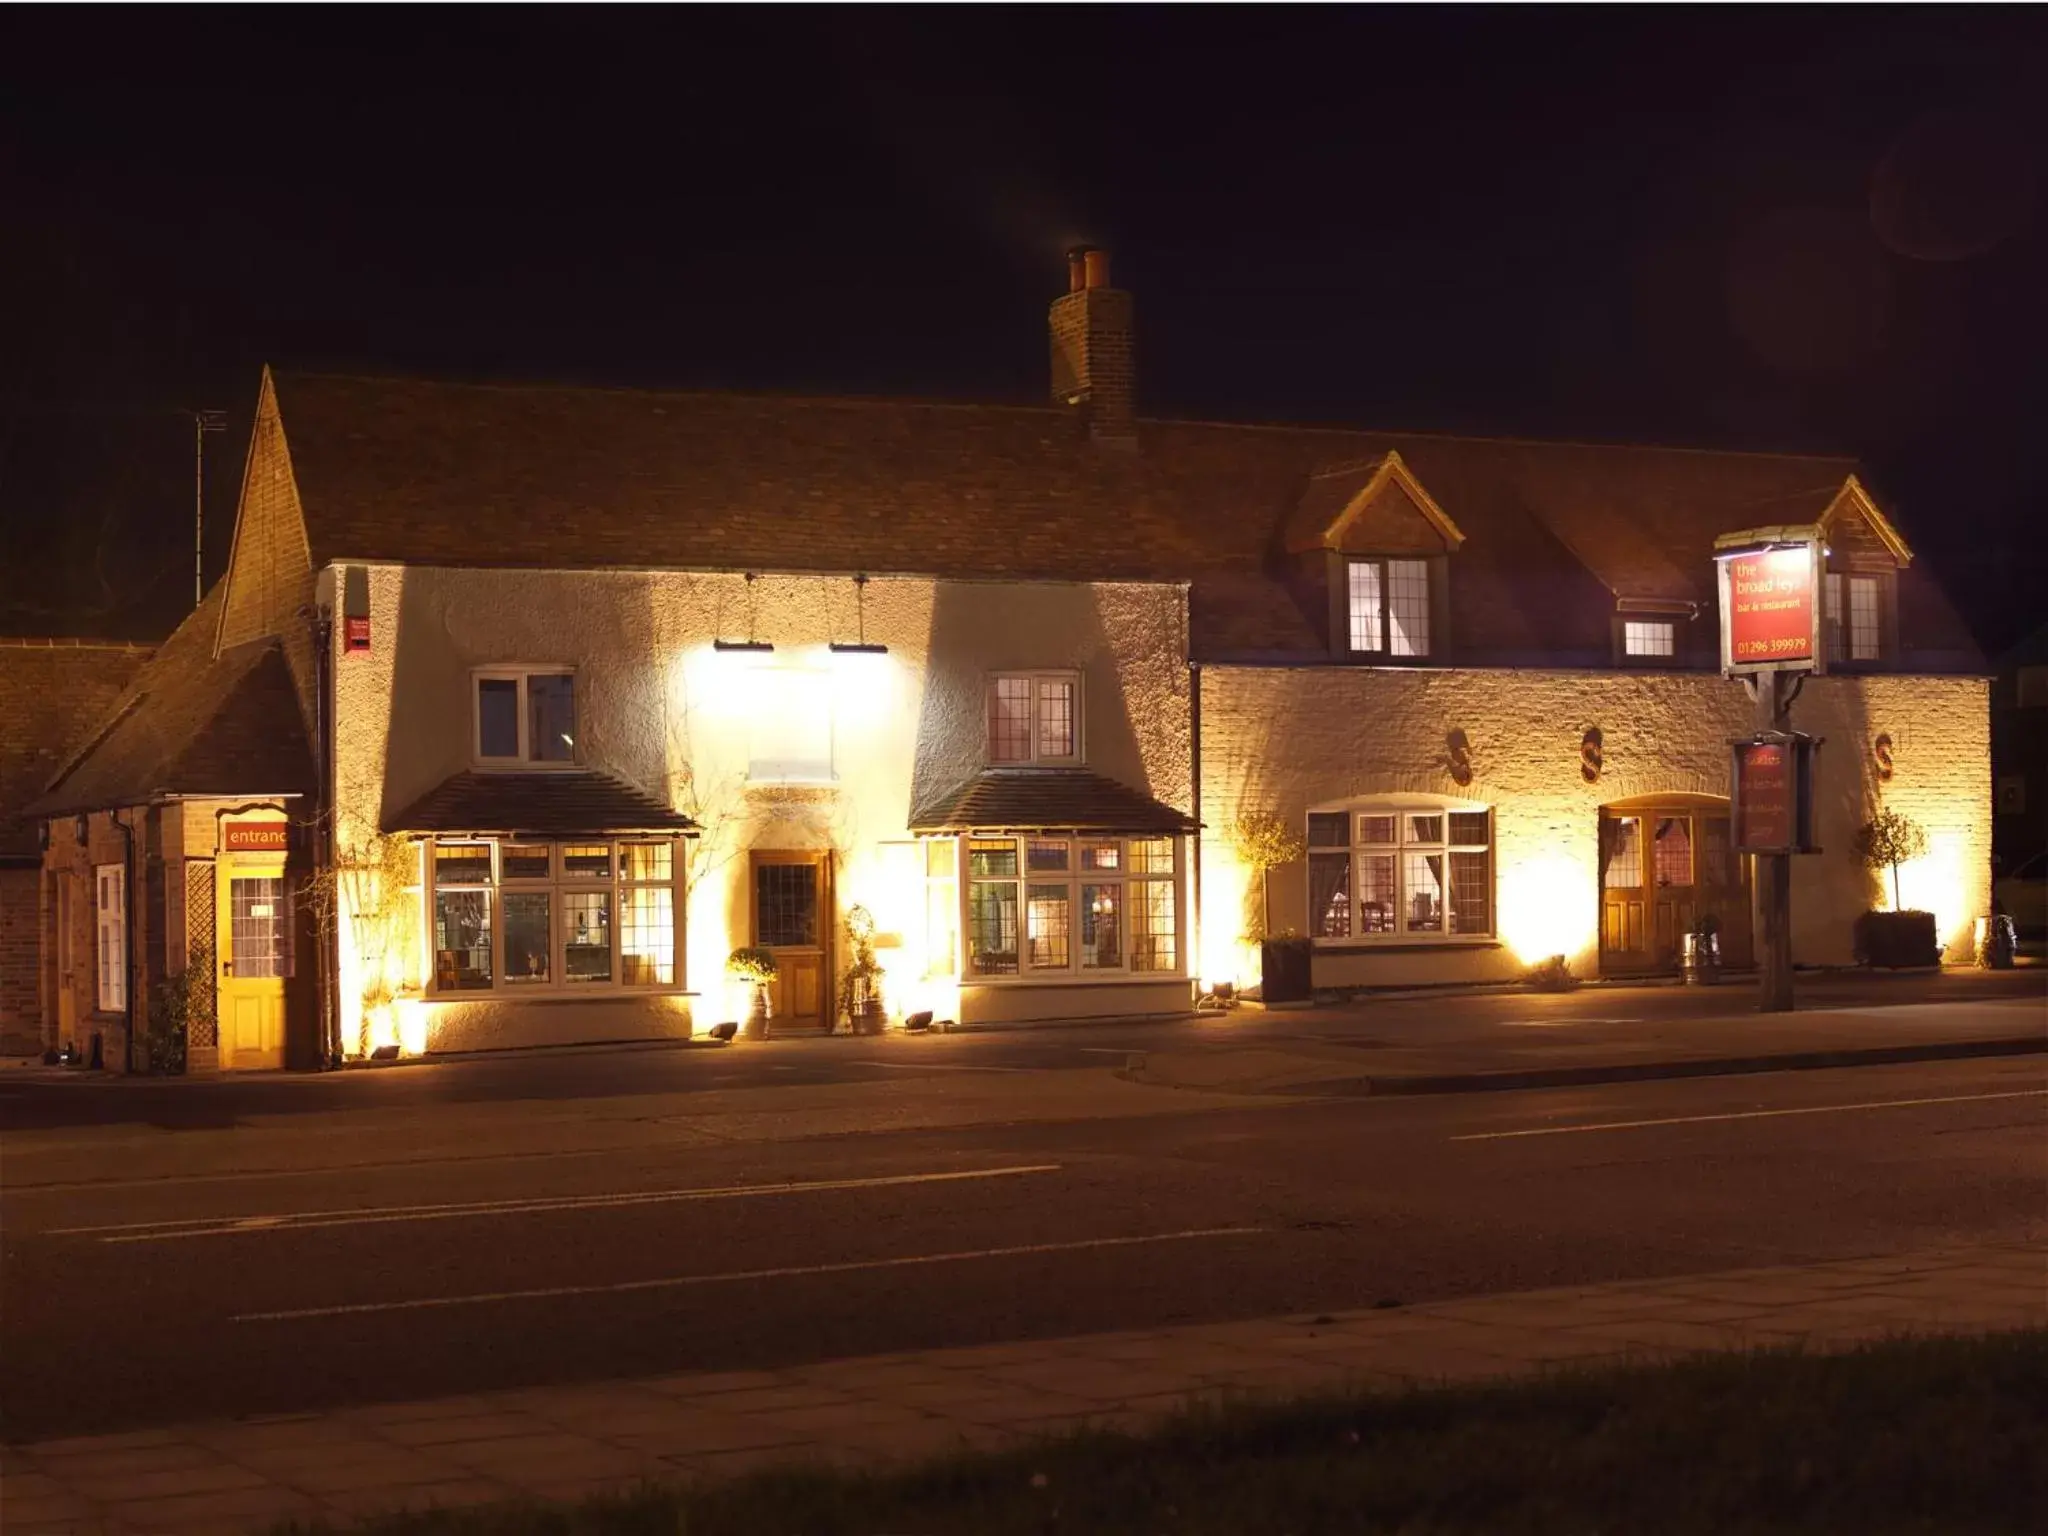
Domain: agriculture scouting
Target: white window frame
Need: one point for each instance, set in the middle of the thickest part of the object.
(1040, 680)
(1358, 847)
(1074, 879)
(524, 761)
(110, 937)
(1637, 631)
(1381, 644)
(1841, 590)
(558, 885)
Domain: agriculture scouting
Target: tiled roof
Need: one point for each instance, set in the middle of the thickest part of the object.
(578, 804)
(552, 476)
(192, 725)
(52, 694)
(1047, 799)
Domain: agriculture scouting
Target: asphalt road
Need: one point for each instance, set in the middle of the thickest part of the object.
(148, 1299)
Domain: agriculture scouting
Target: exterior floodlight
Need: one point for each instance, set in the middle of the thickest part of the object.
(862, 646)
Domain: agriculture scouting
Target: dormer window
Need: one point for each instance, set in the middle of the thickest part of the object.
(1388, 606)
(1650, 639)
(524, 716)
(1034, 718)
(1854, 617)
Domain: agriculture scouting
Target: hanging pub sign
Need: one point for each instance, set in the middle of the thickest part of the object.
(1770, 581)
(1772, 806)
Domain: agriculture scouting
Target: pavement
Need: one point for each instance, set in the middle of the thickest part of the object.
(567, 1442)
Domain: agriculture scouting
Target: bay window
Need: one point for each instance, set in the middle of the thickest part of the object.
(1052, 907)
(582, 915)
(1404, 871)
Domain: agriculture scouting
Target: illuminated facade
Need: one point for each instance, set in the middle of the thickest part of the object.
(593, 688)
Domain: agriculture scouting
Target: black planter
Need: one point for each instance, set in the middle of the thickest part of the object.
(1896, 940)
(1284, 971)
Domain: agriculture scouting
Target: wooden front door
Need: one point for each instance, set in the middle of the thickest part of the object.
(790, 893)
(66, 953)
(1661, 870)
(255, 950)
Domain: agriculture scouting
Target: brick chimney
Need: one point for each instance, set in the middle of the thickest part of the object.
(1094, 367)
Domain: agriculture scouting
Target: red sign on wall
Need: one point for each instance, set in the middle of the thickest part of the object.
(355, 634)
(1770, 608)
(255, 837)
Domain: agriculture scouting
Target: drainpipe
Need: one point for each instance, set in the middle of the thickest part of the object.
(129, 971)
(328, 959)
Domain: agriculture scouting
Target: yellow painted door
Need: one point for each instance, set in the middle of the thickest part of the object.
(255, 938)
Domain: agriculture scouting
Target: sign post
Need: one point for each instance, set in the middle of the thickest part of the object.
(1770, 585)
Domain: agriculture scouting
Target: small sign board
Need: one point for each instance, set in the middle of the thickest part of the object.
(255, 837)
(1771, 606)
(355, 634)
(1772, 805)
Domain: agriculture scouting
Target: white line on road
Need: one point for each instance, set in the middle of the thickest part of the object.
(300, 1221)
(931, 1066)
(784, 1272)
(1748, 1114)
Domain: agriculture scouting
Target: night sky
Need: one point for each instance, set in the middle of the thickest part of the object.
(1726, 227)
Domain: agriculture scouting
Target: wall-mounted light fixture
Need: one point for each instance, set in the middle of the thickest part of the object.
(860, 647)
(750, 643)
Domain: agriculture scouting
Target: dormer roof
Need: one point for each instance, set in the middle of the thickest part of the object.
(1371, 506)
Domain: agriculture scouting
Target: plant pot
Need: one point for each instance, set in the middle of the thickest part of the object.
(870, 1018)
(1897, 940)
(755, 1025)
(1699, 959)
(1284, 971)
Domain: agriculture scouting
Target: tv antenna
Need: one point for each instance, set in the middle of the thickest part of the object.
(203, 422)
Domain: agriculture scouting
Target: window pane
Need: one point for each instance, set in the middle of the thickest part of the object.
(1673, 851)
(1408, 607)
(551, 718)
(1714, 860)
(1329, 895)
(1469, 828)
(992, 926)
(1047, 917)
(1009, 720)
(1425, 829)
(1863, 644)
(1102, 856)
(1377, 830)
(587, 861)
(647, 936)
(786, 904)
(941, 857)
(1423, 891)
(992, 857)
(1153, 941)
(1470, 893)
(528, 863)
(1831, 615)
(528, 941)
(942, 925)
(1055, 717)
(1365, 605)
(1102, 926)
(1152, 856)
(258, 929)
(587, 935)
(1040, 855)
(1624, 853)
(462, 864)
(1378, 897)
(648, 861)
(1328, 829)
(497, 717)
(462, 940)
(1647, 637)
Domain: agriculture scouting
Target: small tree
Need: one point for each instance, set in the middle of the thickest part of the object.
(1886, 841)
(1264, 841)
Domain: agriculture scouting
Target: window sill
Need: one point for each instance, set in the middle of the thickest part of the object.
(593, 993)
(1054, 979)
(1410, 944)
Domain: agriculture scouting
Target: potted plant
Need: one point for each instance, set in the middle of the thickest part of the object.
(1264, 842)
(860, 989)
(1700, 956)
(756, 968)
(1897, 938)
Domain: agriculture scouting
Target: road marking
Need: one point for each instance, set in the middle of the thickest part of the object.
(930, 1066)
(1559, 1023)
(301, 1221)
(674, 1282)
(1749, 1114)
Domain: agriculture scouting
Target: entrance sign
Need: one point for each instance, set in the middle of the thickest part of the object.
(1773, 793)
(255, 837)
(1770, 582)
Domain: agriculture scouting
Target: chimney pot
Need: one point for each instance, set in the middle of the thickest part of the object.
(1096, 263)
(1077, 266)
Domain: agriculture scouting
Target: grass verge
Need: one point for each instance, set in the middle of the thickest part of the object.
(1934, 1435)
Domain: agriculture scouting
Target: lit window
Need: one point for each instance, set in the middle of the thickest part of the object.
(1388, 607)
(1034, 717)
(110, 884)
(1856, 636)
(525, 717)
(1649, 637)
(529, 937)
(942, 907)
(647, 914)
(1422, 872)
(464, 951)
(1089, 905)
